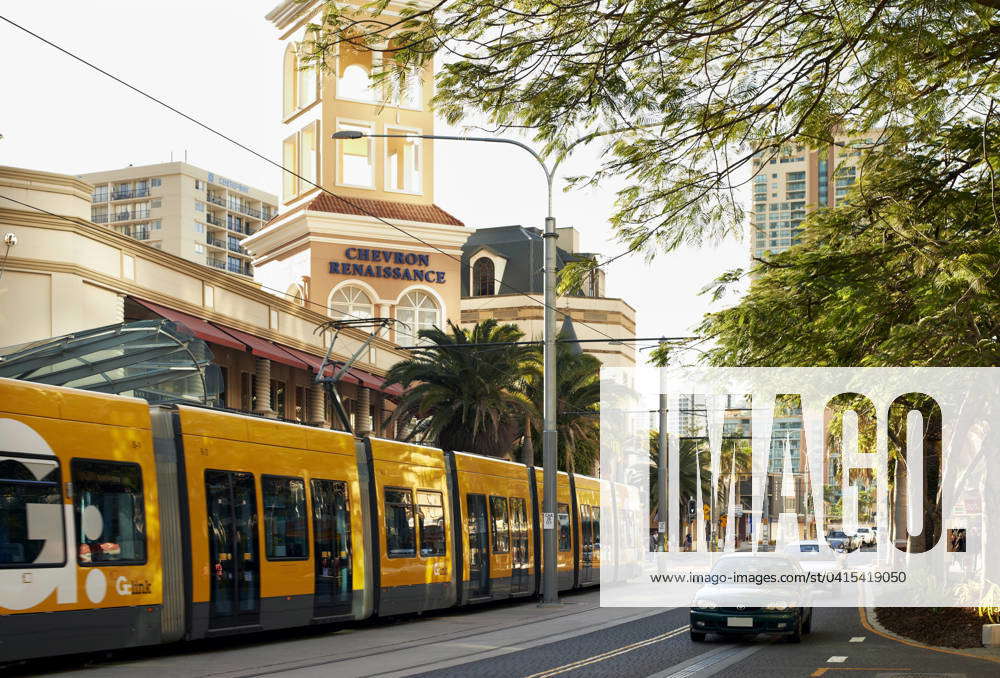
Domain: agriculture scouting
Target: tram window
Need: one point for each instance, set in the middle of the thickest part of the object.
(31, 516)
(563, 516)
(401, 540)
(595, 516)
(430, 513)
(110, 517)
(285, 535)
(501, 528)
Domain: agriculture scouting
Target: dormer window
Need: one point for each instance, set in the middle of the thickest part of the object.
(354, 69)
(483, 278)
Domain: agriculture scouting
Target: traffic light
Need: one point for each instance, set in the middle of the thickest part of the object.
(691, 507)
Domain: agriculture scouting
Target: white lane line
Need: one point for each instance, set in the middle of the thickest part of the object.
(857, 639)
(836, 660)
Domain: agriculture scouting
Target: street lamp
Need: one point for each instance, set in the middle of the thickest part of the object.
(550, 587)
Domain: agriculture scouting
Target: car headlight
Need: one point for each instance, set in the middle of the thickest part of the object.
(706, 604)
(777, 606)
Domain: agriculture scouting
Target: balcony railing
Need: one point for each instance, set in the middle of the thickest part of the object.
(215, 221)
(235, 247)
(217, 263)
(128, 194)
(234, 267)
(237, 207)
(215, 200)
(216, 243)
(236, 227)
(99, 197)
(99, 218)
(129, 216)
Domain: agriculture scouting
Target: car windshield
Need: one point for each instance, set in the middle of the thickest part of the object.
(806, 548)
(837, 535)
(862, 529)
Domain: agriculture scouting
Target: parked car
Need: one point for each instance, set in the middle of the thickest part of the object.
(867, 535)
(737, 606)
(838, 540)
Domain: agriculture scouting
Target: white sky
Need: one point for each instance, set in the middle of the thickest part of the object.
(220, 61)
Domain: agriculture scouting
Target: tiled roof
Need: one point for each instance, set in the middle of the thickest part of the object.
(386, 209)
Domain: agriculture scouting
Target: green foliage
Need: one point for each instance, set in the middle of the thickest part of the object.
(487, 399)
(681, 93)
(468, 399)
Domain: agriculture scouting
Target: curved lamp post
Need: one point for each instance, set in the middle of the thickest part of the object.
(550, 585)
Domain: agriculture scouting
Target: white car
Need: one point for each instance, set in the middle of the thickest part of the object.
(816, 556)
(867, 535)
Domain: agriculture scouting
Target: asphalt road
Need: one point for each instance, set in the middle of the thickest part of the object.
(659, 646)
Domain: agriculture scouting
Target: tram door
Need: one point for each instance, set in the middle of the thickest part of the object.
(332, 548)
(519, 537)
(479, 557)
(233, 549)
(587, 539)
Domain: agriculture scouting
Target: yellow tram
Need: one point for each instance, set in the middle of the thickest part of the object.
(124, 525)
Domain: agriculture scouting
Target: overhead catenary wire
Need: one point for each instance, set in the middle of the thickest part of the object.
(268, 160)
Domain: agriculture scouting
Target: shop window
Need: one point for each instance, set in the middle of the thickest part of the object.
(278, 397)
(563, 519)
(399, 530)
(500, 527)
(402, 163)
(354, 158)
(31, 529)
(483, 277)
(223, 387)
(285, 532)
(110, 516)
(430, 512)
(300, 404)
(350, 301)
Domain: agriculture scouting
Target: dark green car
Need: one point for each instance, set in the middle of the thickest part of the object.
(737, 605)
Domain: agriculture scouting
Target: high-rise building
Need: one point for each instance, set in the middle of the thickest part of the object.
(184, 210)
(795, 180)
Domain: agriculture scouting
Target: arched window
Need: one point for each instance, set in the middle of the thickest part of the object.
(418, 311)
(354, 69)
(351, 301)
(290, 71)
(297, 295)
(483, 277)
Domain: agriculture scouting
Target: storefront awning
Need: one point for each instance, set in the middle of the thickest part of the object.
(198, 327)
(218, 333)
(262, 348)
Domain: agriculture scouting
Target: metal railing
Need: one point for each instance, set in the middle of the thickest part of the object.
(235, 247)
(99, 218)
(216, 243)
(129, 216)
(128, 194)
(217, 263)
(215, 200)
(215, 221)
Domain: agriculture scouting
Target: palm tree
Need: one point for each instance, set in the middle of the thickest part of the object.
(578, 398)
(468, 398)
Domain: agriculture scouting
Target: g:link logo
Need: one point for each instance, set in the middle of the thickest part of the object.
(124, 587)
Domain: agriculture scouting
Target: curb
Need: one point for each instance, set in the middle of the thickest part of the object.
(870, 621)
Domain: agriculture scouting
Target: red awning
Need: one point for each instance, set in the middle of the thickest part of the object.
(198, 327)
(314, 362)
(262, 348)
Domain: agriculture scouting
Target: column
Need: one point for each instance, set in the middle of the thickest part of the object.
(317, 405)
(263, 388)
(362, 412)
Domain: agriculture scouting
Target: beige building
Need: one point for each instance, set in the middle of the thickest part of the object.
(504, 263)
(796, 180)
(66, 275)
(373, 243)
(184, 210)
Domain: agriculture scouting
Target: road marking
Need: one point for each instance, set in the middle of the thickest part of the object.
(857, 639)
(822, 672)
(609, 654)
(836, 660)
(710, 663)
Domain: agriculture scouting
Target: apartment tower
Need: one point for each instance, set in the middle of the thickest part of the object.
(184, 210)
